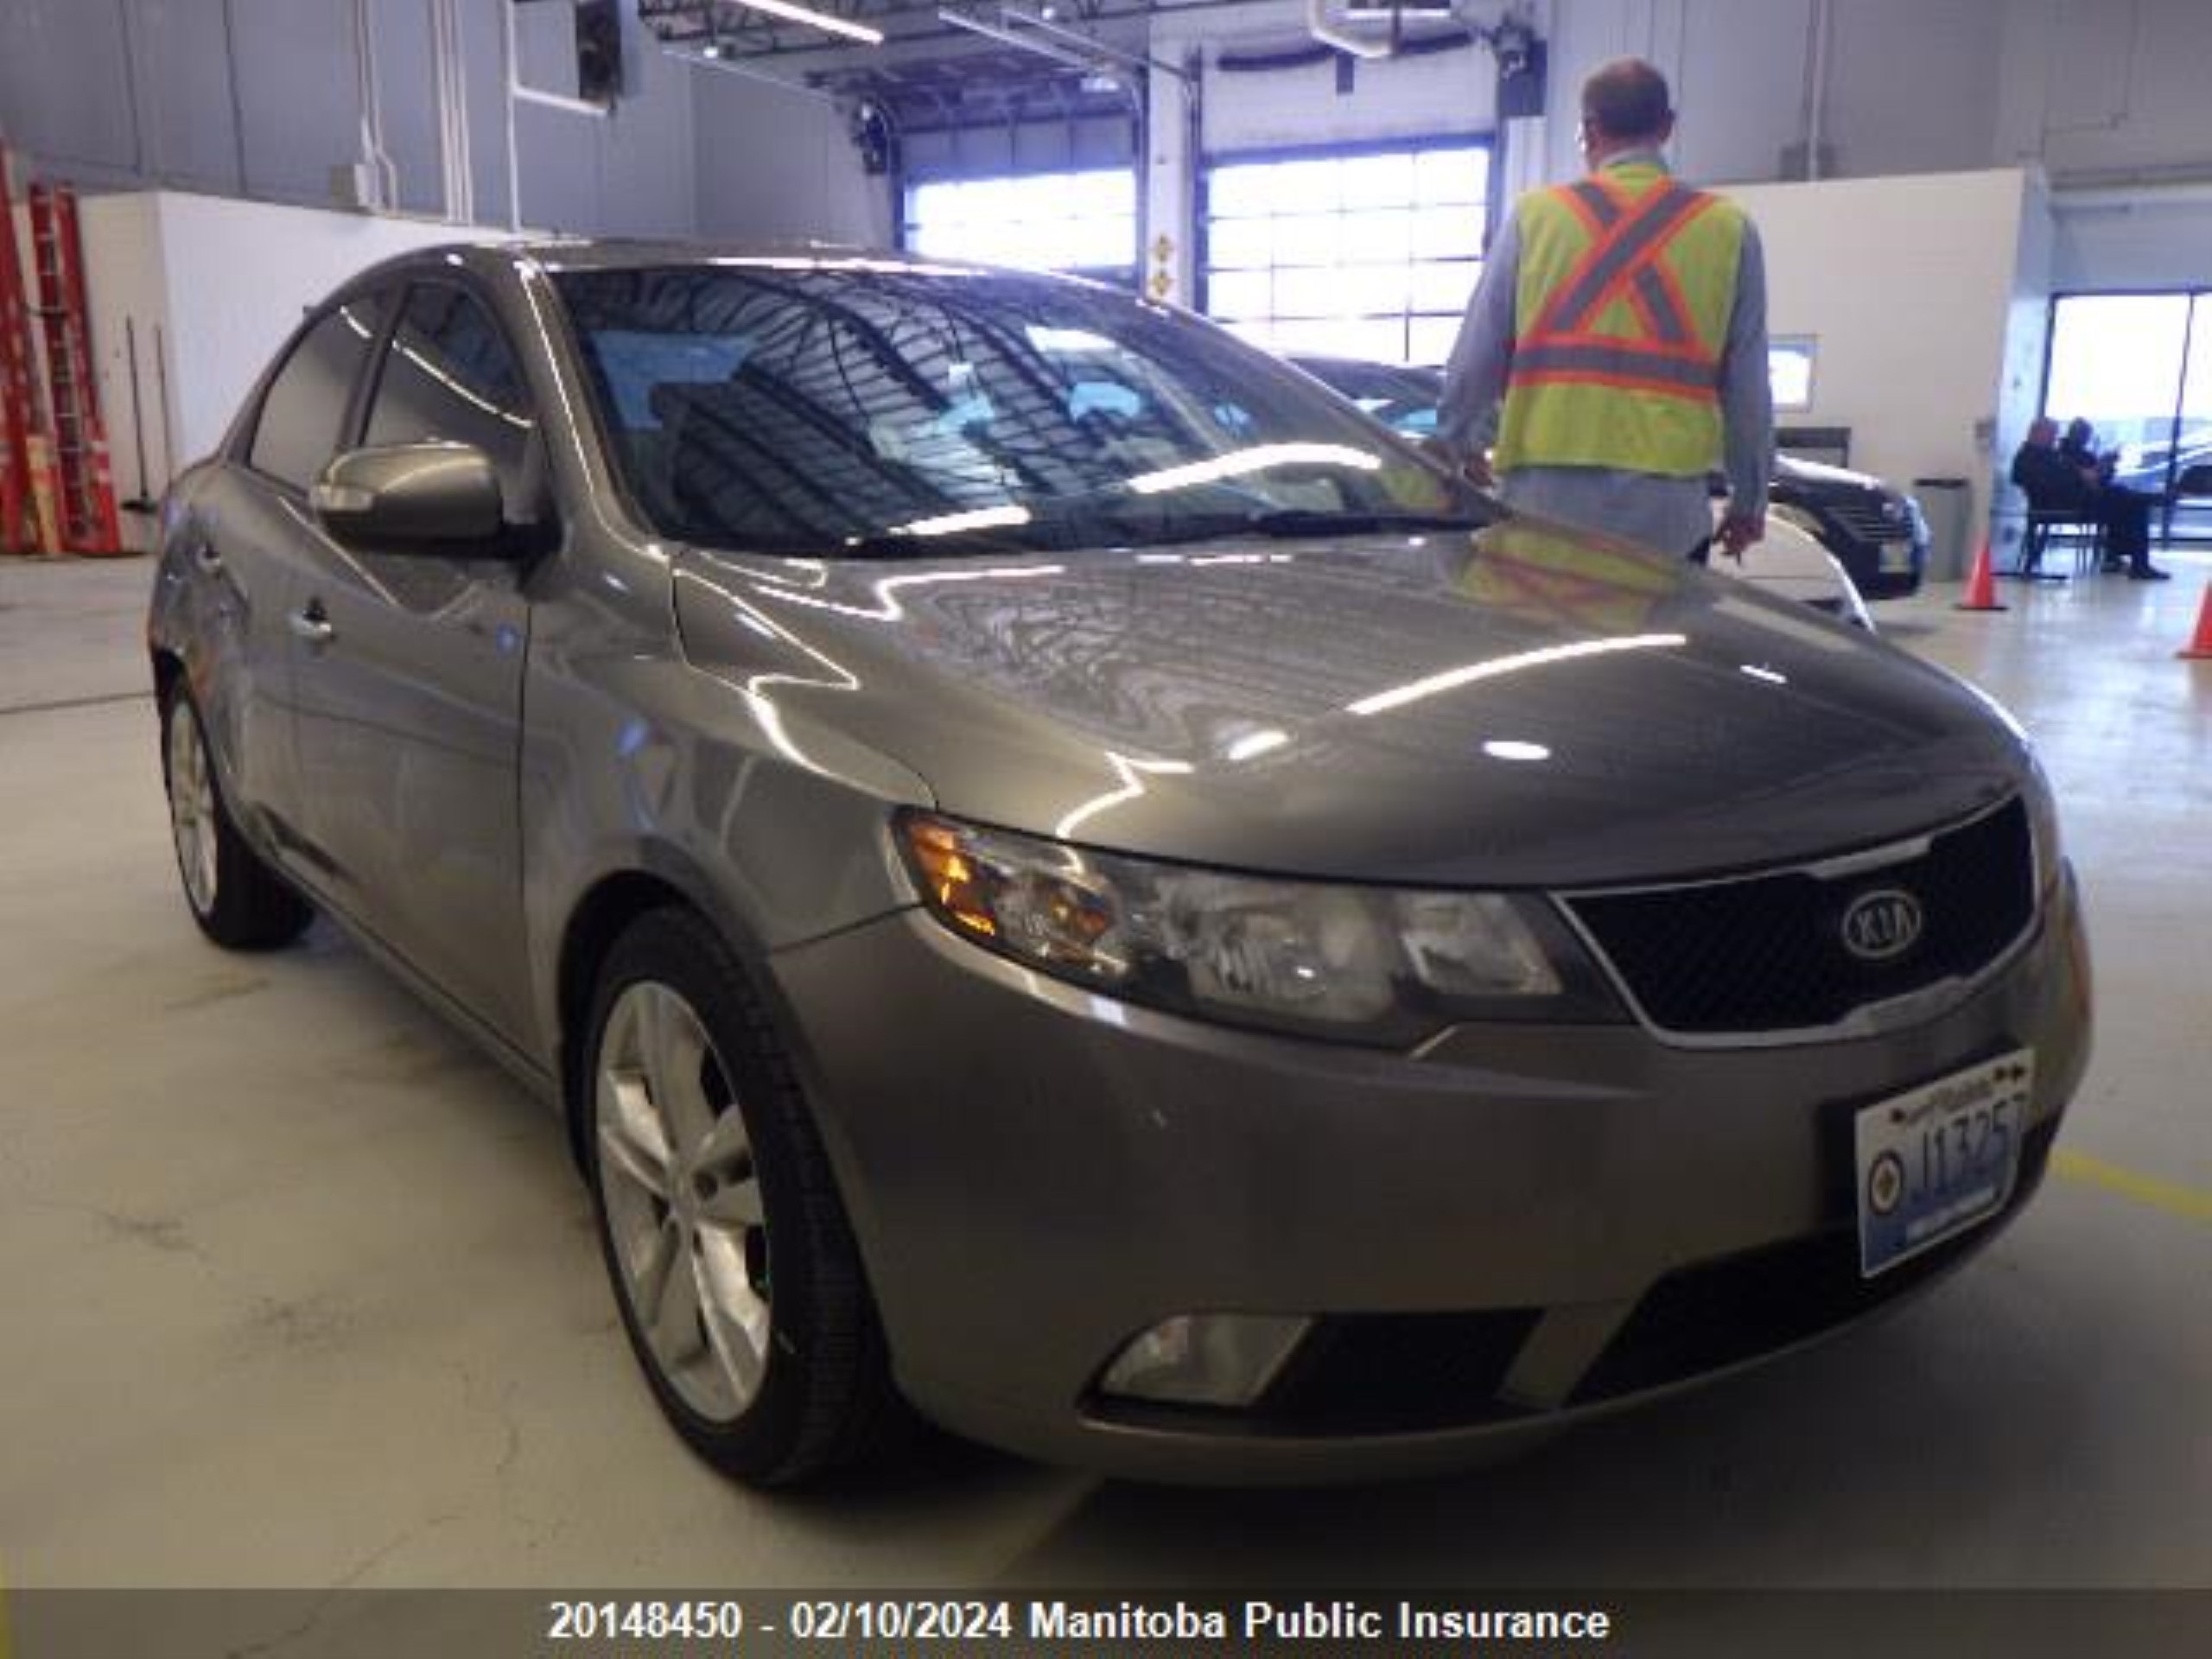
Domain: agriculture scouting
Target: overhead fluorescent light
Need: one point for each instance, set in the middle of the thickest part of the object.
(822, 20)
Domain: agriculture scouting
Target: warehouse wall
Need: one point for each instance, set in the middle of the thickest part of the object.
(1908, 85)
(773, 164)
(2161, 238)
(196, 293)
(259, 98)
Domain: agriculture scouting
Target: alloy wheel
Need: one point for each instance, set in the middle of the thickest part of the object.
(192, 808)
(682, 1197)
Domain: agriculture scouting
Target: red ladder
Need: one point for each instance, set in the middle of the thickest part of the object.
(86, 484)
(20, 416)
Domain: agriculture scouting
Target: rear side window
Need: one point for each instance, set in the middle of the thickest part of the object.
(451, 376)
(298, 431)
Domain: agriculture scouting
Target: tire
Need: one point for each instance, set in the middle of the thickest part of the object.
(238, 901)
(706, 1171)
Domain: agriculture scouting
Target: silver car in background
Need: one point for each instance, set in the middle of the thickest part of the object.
(1061, 878)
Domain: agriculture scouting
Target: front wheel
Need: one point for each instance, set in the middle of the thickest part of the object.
(731, 1256)
(238, 901)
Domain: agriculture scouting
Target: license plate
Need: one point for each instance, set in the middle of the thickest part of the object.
(1897, 556)
(1934, 1161)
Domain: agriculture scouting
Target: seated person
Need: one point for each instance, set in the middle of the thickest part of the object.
(2080, 446)
(2054, 483)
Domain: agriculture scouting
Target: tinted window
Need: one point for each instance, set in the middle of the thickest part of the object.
(451, 376)
(816, 407)
(297, 432)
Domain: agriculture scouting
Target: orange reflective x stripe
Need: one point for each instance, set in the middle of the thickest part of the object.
(1629, 243)
(1623, 262)
(1657, 298)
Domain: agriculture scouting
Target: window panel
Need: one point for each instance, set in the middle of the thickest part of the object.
(1444, 286)
(450, 376)
(1373, 290)
(1082, 220)
(1372, 254)
(1240, 296)
(1240, 192)
(1309, 291)
(1240, 243)
(1380, 342)
(1309, 240)
(1375, 235)
(297, 432)
(1451, 175)
(1429, 339)
(1384, 180)
(1446, 232)
(1306, 186)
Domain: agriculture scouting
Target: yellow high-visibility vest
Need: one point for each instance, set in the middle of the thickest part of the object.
(1627, 279)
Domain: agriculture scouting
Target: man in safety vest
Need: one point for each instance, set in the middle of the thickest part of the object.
(1622, 318)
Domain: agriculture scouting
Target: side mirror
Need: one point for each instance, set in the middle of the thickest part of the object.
(439, 498)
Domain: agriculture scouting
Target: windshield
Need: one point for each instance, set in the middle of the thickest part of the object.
(1405, 399)
(820, 406)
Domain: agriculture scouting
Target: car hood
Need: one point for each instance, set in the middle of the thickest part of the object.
(1791, 469)
(1524, 706)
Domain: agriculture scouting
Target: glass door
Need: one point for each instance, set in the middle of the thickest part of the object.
(2137, 367)
(2189, 495)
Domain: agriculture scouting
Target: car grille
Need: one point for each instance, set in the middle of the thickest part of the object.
(1766, 953)
(1868, 516)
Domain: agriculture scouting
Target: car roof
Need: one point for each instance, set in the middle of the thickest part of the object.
(558, 253)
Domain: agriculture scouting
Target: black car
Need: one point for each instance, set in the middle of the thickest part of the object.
(1875, 532)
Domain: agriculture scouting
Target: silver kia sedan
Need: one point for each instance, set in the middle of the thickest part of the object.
(1061, 881)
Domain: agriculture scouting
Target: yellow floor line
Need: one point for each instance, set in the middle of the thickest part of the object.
(2175, 1199)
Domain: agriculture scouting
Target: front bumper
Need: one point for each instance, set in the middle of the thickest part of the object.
(1519, 1226)
(1876, 575)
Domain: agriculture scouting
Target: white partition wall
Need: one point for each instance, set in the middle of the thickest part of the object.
(1925, 296)
(191, 295)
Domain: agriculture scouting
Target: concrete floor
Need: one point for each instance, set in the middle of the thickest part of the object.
(298, 1291)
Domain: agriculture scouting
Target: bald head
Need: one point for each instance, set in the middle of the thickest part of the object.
(1625, 106)
(2043, 432)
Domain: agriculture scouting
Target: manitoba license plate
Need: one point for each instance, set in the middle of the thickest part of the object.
(1935, 1160)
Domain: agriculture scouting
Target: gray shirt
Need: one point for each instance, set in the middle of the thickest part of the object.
(1675, 514)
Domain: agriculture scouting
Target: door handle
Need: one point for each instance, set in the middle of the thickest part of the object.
(311, 625)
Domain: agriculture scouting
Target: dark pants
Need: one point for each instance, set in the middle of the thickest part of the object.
(2127, 518)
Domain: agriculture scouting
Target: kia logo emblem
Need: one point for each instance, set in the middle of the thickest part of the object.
(1882, 924)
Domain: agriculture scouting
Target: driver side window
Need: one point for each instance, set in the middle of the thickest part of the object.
(450, 376)
(297, 431)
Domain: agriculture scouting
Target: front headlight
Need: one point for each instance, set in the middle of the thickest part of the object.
(1916, 519)
(1376, 965)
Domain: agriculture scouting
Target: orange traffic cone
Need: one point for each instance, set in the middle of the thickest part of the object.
(1981, 585)
(2200, 648)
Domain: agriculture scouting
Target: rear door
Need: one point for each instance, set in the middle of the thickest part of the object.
(410, 691)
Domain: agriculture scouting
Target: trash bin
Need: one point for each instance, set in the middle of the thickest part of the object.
(1944, 503)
